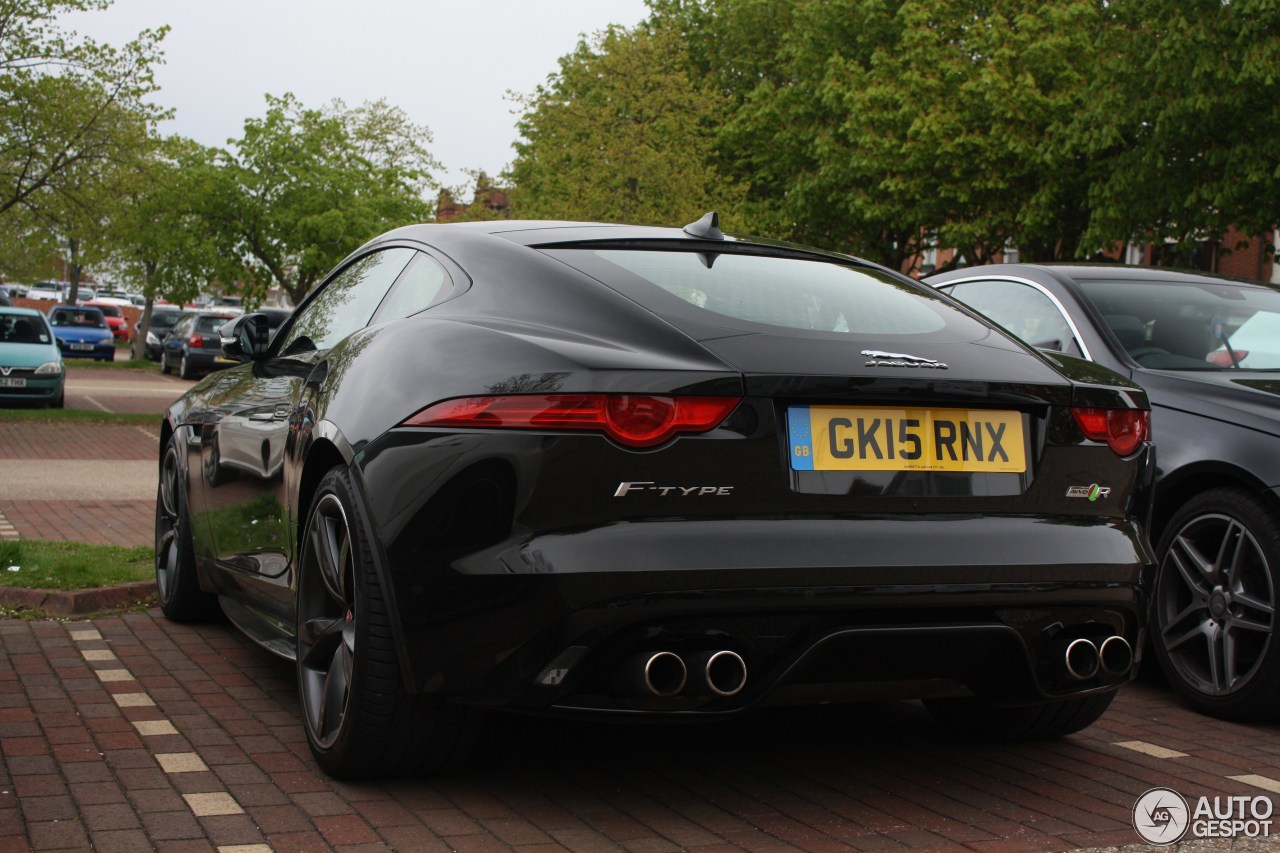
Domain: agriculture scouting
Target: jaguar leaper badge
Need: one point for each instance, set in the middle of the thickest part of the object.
(880, 358)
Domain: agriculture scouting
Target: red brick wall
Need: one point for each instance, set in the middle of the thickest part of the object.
(1244, 259)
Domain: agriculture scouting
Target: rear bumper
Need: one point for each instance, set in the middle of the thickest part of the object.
(818, 611)
(104, 349)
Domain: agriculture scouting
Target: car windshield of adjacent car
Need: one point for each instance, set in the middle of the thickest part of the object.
(1167, 325)
(212, 322)
(79, 317)
(109, 310)
(22, 329)
(164, 319)
(788, 292)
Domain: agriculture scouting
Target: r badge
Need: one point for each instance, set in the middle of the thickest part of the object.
(1091, 492)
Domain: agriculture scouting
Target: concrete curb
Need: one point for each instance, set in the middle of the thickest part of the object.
(75, 602)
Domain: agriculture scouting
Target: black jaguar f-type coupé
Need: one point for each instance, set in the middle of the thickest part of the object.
(628, 472)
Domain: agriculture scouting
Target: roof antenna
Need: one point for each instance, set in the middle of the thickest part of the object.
(708, 227)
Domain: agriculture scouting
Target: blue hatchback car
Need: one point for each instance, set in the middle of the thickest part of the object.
(82, 332)
(30, 364)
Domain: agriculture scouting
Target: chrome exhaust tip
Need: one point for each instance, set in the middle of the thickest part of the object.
(726, 673)
(1116, 655)
(661, 674)
(1081, 659)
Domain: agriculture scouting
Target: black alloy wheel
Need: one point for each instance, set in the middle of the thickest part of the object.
(177, 584)
(358, 718)
(1213, 612)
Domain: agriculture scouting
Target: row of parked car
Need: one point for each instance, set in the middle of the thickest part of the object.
(34, 344)
(187, 341)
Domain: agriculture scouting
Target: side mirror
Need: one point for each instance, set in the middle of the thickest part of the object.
(246, 338)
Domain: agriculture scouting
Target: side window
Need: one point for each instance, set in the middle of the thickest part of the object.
(347, 302)
(1023, 310)
(418, 286)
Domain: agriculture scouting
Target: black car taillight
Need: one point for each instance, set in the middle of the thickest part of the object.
(1122, 429)
(196, 340)
(635, 420)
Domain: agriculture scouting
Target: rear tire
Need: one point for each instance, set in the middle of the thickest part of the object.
(177, 584)
(184, 368)
(1213, 610)
(982, 721)
(358, 717)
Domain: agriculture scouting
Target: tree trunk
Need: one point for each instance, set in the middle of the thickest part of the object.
(138, 349)
(73, 268)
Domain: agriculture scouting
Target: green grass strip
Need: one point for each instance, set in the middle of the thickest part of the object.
(36, 564)
(118, 364)
(75, 416)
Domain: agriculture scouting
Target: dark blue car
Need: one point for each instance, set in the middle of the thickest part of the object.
(82, 332)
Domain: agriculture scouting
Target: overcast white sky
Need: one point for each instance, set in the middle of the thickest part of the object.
(447, 63)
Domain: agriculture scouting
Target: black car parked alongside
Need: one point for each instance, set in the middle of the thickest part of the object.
(192, 345)
(632, 472)
(163, 319)
(1207, 351)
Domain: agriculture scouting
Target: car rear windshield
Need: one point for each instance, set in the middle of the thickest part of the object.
(1191, 325)
(109, 310)
(211, 323)
(786, 292)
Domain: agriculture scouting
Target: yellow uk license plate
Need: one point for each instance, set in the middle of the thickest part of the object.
(858, 438)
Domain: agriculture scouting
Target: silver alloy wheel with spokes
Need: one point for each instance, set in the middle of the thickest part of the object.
(327, 624)
(1215, 605)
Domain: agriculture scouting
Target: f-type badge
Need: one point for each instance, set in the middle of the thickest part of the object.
(880, 358)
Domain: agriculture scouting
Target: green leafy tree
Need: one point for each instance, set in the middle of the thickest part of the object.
(876, 125)
(61, 101)
(157, 236)
(304, 187)
(75, 213)
(1184, 117)
(623, 132)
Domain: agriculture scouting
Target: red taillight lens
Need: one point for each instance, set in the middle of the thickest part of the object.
(196, 340)
(1122, 429)
(636, 420)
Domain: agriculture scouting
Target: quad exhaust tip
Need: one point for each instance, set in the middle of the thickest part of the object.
(1081, 659)
(666, 674)
(724, 673)
(1116, 655)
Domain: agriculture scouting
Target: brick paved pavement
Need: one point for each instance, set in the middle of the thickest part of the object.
(114, 522)
(131, 733)
(127, 521)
